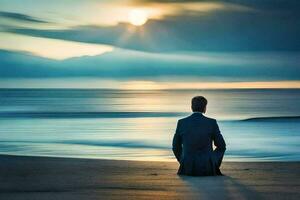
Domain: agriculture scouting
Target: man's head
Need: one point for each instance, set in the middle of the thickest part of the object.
(199, 104)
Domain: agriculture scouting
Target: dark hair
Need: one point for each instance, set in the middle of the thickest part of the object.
(199, 103)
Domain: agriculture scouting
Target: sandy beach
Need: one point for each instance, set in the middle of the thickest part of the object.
(68, 178)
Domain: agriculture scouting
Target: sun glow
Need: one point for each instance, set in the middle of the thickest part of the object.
(138, 17)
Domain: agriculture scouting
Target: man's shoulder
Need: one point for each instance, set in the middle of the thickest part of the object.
(187, 118)
(182, 120)
(209, 119)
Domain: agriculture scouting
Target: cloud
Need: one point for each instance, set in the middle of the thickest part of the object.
(21, 17)
(50, 48)
(194, 7)
(263, 4)
(131, 65)
(222, 31)
(262, 26)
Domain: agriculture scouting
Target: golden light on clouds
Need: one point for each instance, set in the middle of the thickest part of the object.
(112, 13)
(139, 13)
(50, 48)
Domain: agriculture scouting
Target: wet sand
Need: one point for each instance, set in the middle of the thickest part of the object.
(41, 178)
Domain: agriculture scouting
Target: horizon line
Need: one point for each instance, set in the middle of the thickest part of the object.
(148, 85)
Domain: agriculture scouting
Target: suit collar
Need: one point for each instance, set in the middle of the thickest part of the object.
(197, 114)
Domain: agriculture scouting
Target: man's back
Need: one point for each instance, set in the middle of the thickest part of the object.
(192, 146)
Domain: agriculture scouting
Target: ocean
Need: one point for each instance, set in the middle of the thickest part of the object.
(257, 124)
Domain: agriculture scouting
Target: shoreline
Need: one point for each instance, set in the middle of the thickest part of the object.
(137, 160)
(30, 177)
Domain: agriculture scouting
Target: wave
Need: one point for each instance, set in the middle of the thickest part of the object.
(133, 115)
(116, 143)
(123, 144)
(89, 114)
(271, 119)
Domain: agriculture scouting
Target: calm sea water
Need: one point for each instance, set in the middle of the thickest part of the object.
(139, 125)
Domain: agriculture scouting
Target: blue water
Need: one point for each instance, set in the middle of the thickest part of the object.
(139, 125)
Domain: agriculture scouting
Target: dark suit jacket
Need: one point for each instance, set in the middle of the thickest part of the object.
(192, 146)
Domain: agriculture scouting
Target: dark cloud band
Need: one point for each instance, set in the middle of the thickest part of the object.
(131, 65)
(21, 17)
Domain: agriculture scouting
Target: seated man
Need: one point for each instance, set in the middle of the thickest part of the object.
(192, 143)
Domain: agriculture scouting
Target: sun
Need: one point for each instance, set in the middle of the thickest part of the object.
(138, 17)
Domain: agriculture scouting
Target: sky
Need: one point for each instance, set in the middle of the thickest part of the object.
(150, 44)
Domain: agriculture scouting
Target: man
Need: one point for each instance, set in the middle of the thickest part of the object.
(192, 142)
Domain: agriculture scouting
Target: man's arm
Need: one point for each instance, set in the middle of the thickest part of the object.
(177, 143)
(218, 139)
